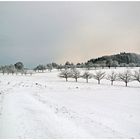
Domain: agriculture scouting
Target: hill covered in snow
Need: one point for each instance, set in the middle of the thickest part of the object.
(122, 59)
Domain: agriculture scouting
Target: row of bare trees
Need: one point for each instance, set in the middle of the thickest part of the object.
(126, 76)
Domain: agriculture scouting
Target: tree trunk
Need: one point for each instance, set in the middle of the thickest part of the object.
(76, 79)
(111, 82)
(126, 84)
(66, 79)
(98, 81)
(87, 80)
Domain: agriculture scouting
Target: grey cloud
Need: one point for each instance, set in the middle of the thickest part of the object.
(42, 32)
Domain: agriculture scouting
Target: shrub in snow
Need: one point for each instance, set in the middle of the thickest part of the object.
(75, 74)
(65, 74)
(136, 76)
(87, 76)
(99, 76)
(125, 77)
(112, 77)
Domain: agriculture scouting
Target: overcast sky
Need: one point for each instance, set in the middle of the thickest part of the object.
(43, 32)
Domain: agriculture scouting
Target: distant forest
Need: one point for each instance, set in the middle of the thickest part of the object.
(118, 60)
(122, 60)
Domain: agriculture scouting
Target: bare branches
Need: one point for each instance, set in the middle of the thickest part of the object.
(65, 74)
(136, 76)
(75, 74)
(99, 76)
(125, 77)
(87, 76)
(112, 77)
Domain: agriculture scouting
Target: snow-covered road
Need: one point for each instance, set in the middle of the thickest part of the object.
(44, 106)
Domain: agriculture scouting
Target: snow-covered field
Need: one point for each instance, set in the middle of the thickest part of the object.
(45, 106)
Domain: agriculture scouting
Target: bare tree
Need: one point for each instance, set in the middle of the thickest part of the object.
(89, 65)
(75, 74)
(87, 76)
(112, 77)
(125, 77)
(65, 74)
(3, 72)
(99, 76)
(49, 67)
(136, 76)
(25, 72)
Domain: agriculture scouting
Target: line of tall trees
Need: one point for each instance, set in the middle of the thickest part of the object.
(119, 60)
(15, 69)
(88, 65)
(49, 67)
(112, 61)
(126, 76)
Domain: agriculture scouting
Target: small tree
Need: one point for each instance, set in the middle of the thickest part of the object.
(67, 65)
(59, 67)
(54, 65)
(109, 63)
(112, 77)
(11, 69)
(40, 68)
(3, 70)
(99, 76)
(136, 76)
(49, 67)
(73, 67)
(102, 65)
(25, 72)
(75, 74)
(19, 66)
(65, 74)
(87, 76)
(125, 77)
(89, 65)
(132, 65)
(115, 64)
(96, 65)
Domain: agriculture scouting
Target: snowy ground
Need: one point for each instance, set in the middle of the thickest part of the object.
(45, 106)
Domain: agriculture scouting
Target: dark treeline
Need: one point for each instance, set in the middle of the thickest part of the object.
(118, 60)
